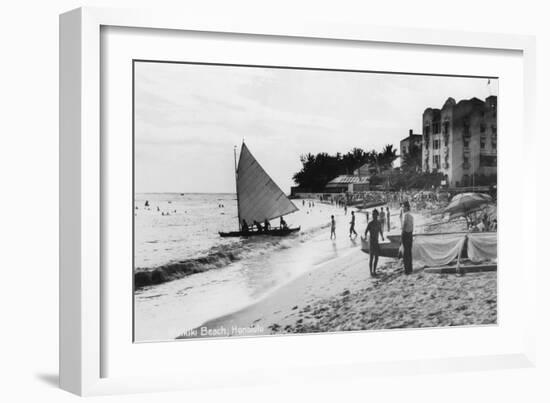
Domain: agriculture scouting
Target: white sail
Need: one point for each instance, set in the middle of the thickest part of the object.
(258, 196)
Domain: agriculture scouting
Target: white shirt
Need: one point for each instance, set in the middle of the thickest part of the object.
(408, 222)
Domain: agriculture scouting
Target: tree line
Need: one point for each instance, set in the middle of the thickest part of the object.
(319, 169)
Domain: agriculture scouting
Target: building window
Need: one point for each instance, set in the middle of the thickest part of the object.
(436, 144)
(466, 143)
(482, 128)
(488, 160)
(494, 145)
(494, 130)
(427, 130)
(436, 160)
(466, 159)
(482, 143)
(436, 127)
(466, 129)
(445, 128)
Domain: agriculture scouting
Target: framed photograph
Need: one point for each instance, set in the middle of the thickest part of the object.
(293, 200)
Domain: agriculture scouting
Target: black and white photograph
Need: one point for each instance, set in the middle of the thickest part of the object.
(275, 200)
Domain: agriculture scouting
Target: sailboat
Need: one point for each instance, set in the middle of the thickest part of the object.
(258, 199)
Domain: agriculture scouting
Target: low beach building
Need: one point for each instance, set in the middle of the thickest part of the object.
(348, 183)
(460, 140)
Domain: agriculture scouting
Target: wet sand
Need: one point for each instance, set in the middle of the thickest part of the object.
(283, 308)
(340, 296)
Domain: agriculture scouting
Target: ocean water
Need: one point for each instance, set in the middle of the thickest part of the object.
(176, 227)
(234, 272)
(180, 226)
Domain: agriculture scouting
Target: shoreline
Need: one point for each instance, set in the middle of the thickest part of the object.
(341, 296)
(282, 305)
(389, 301)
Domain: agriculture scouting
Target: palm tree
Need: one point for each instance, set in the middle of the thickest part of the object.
(386, 157)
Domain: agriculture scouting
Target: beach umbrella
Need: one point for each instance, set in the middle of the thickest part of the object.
(466, 203)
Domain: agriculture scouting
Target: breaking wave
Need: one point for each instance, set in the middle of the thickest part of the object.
(219, 257)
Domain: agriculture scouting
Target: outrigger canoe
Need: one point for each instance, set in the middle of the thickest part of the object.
(271, 232)
(364, 206)
(387, 249)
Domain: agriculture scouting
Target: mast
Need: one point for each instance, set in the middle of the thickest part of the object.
(236, 187)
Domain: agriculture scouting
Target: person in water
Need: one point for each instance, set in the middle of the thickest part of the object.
(244, 226)
(332, 227)
(374, 228)
(283, 224)
(352, 225)
(407, 237)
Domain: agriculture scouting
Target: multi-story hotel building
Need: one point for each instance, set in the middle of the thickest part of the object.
(460, 140)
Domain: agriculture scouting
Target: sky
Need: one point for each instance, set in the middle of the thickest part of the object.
(189, 117)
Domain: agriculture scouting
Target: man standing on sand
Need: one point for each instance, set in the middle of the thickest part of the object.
(373, 230)
(332, 227)
(352, 225)
(388, 217)
(407, 237)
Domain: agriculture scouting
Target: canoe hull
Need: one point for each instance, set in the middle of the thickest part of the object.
(390, 249)
(364, 206)
(272, 232)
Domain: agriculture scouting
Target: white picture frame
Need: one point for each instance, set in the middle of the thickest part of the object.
(82, 175)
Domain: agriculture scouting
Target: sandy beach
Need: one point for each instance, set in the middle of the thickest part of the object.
(341, 296)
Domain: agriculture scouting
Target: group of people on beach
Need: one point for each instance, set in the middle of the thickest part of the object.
(482, 224)
(375, 230)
